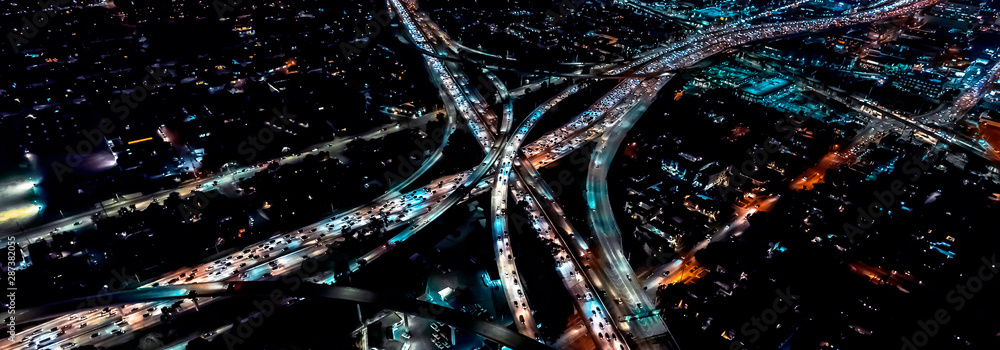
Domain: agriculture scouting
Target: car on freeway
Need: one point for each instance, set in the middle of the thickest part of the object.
(46, 341)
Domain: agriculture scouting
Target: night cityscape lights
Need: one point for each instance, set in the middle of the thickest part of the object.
(514, 174)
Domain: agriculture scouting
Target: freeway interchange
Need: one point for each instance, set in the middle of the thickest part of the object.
(622, 317)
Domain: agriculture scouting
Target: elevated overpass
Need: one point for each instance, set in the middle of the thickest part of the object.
(410, 306)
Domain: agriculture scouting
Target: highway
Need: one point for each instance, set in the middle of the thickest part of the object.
(611, 116)
(214, 290)
(506, 265)
(225, 179)
(869, 135)
(623, 284)
(965, 100)
(266, 260)
(510, 280)
(887, 119)
(615, 105)
(480, 119)
(596, 271)
(602, 327)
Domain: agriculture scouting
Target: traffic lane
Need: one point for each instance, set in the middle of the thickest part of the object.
(571, 274)
(279, 241)
(598, 273)
(185, 188)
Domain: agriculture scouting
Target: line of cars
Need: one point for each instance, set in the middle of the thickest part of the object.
(41, 339)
